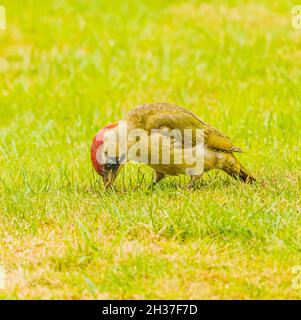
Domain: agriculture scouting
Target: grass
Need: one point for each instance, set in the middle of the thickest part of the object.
(67, 68)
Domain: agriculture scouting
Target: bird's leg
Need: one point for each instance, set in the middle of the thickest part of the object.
(193, 179)
(158, 176)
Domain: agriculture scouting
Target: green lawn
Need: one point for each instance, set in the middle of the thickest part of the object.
(69, 67)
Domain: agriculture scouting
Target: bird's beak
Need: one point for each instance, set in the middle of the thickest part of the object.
(113, 167)
(111, 176)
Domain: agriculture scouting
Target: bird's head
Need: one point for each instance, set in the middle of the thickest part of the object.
(104, 160)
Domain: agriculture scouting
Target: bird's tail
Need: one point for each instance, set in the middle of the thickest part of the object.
(234, 168)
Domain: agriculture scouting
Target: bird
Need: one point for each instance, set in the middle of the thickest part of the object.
(156, 121)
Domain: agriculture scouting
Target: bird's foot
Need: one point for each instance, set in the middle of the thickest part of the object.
(110, 189)
(151, 186)
(191, 183)
(189, 187)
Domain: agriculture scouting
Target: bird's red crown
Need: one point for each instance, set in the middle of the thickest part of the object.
(96, 144)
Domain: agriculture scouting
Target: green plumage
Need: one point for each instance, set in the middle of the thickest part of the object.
(219, 148)
(160, 115)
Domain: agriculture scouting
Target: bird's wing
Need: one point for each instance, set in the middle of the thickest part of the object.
(213, 138)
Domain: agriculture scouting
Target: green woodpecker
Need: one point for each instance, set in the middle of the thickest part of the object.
(155, 134)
